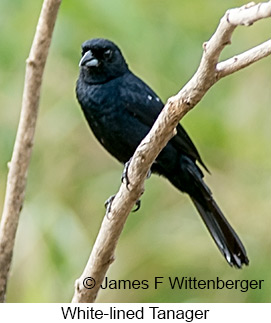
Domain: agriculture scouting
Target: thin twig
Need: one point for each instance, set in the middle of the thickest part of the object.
(18, 166)
(208, 73)
(243, 60)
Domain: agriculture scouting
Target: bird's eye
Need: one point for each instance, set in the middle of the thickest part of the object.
(108, 54)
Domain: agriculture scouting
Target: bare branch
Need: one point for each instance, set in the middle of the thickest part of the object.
(249, 13)
(243, 60)
(18, 166)
(208, 73)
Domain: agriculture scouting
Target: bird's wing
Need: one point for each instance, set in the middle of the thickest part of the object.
(140, 100)
(144, 104)
(183, 141)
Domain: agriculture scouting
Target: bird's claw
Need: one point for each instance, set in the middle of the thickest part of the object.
(138, 205)
(109, 201)
(108, 204)
(124, 176)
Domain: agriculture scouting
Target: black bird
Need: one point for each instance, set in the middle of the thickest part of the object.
(121, 109)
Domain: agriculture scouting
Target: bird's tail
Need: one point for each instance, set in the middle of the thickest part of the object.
(190, 180)
(223, 234)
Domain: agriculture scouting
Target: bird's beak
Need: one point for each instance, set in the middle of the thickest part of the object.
(88, 60)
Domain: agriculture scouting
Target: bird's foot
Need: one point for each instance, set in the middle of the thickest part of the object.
(108, 204)
(124, 176)
(138, 205)
(109, 201)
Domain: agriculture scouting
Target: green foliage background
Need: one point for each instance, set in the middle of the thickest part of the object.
(71, 176)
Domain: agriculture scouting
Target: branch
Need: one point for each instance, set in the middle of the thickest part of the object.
(16, 182)
(243, 60)
(208, 73)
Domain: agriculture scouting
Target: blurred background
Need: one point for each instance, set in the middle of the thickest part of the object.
(71, 176)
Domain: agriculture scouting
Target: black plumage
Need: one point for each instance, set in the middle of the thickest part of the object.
(121, 109)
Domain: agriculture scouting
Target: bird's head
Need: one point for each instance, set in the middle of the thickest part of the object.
(101, 61)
